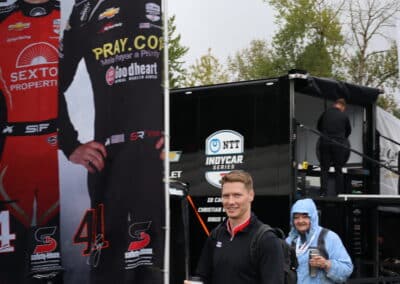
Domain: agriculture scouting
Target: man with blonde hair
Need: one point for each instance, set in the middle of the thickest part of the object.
(226, 254)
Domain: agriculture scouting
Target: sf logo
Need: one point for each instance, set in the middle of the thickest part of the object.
(138, 233)
(44, 237)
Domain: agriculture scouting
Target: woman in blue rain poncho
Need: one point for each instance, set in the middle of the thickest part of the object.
(335, 266)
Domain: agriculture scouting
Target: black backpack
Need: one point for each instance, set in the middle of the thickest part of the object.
(289, 253)
(290, 264)
(320, 243)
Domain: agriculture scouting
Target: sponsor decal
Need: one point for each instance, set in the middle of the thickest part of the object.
(175, 156)
(176, 174)
(144, 26)
(84, 15)
(37, 67)
(36, 128)
(37, 54)
(43, 236)
(45, 256)
(8, 129)
(153, 12)
(110, 26)
(109, 13)
(132, 136)
(56, 26)
(19, 26)
(134, 71)
(12, 39)
(148, 26)
(110, 76)
(52, 140)
(224, 152)
(125, 45)
(138, 253)
(37, 12)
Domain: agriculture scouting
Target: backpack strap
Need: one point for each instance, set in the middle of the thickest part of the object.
(215, 232)
(321, 243)
(255, 240)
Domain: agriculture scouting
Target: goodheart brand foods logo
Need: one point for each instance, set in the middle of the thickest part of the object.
(134, 71)
(110, 76)
(224, 151)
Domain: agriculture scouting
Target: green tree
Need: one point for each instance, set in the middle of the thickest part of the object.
(370, 21)
(251, 63)
(206, 71)
(176, 51)
(309, 36)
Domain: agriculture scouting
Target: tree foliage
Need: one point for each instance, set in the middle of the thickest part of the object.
(369, 21)
(250, 63)
(206, 71)
(176, 51)
(309, 36)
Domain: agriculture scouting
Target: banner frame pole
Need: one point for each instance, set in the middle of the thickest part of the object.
(167, 143)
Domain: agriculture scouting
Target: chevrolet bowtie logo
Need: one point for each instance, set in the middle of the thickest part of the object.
(19, 26)
(109, 13)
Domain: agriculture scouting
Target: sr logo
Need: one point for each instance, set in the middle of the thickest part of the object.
(44, 237)
(137, 232)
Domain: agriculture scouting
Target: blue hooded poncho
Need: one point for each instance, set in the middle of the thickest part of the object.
(341, 265)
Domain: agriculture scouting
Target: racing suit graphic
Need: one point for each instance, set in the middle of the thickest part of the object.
(121, 44)
(29, 186)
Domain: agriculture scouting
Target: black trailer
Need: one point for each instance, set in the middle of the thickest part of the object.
(267, 128)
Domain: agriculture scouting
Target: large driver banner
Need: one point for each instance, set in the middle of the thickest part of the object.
(82, 197)
(120, 234)
(29, 177)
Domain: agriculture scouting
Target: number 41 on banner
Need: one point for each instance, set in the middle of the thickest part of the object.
(91, 230)
(5, 236)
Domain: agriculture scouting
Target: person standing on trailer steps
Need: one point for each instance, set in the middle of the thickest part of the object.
(321, 255)
(226, 254)
(334, 124)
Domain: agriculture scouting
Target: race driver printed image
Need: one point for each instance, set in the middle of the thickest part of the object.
(120, 42)
(29, 186)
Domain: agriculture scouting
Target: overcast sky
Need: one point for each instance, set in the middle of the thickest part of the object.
(225, 26)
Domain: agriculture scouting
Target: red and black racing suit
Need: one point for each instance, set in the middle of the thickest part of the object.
(29, 185)
(120, 41)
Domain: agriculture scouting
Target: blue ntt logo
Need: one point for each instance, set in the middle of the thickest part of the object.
(215, 145)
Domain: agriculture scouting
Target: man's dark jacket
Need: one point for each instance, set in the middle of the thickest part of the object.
(227, 260)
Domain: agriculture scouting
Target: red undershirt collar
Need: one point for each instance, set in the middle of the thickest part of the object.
(238, 228)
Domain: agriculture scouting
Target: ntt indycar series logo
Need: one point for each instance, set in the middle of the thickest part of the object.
(224, 151)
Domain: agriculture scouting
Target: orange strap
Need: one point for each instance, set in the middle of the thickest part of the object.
(189, 198)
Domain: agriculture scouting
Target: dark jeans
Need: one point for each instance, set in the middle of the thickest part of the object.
(336, 156)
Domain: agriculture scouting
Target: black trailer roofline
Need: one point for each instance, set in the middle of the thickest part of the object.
(190, 90)
(325, 88)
